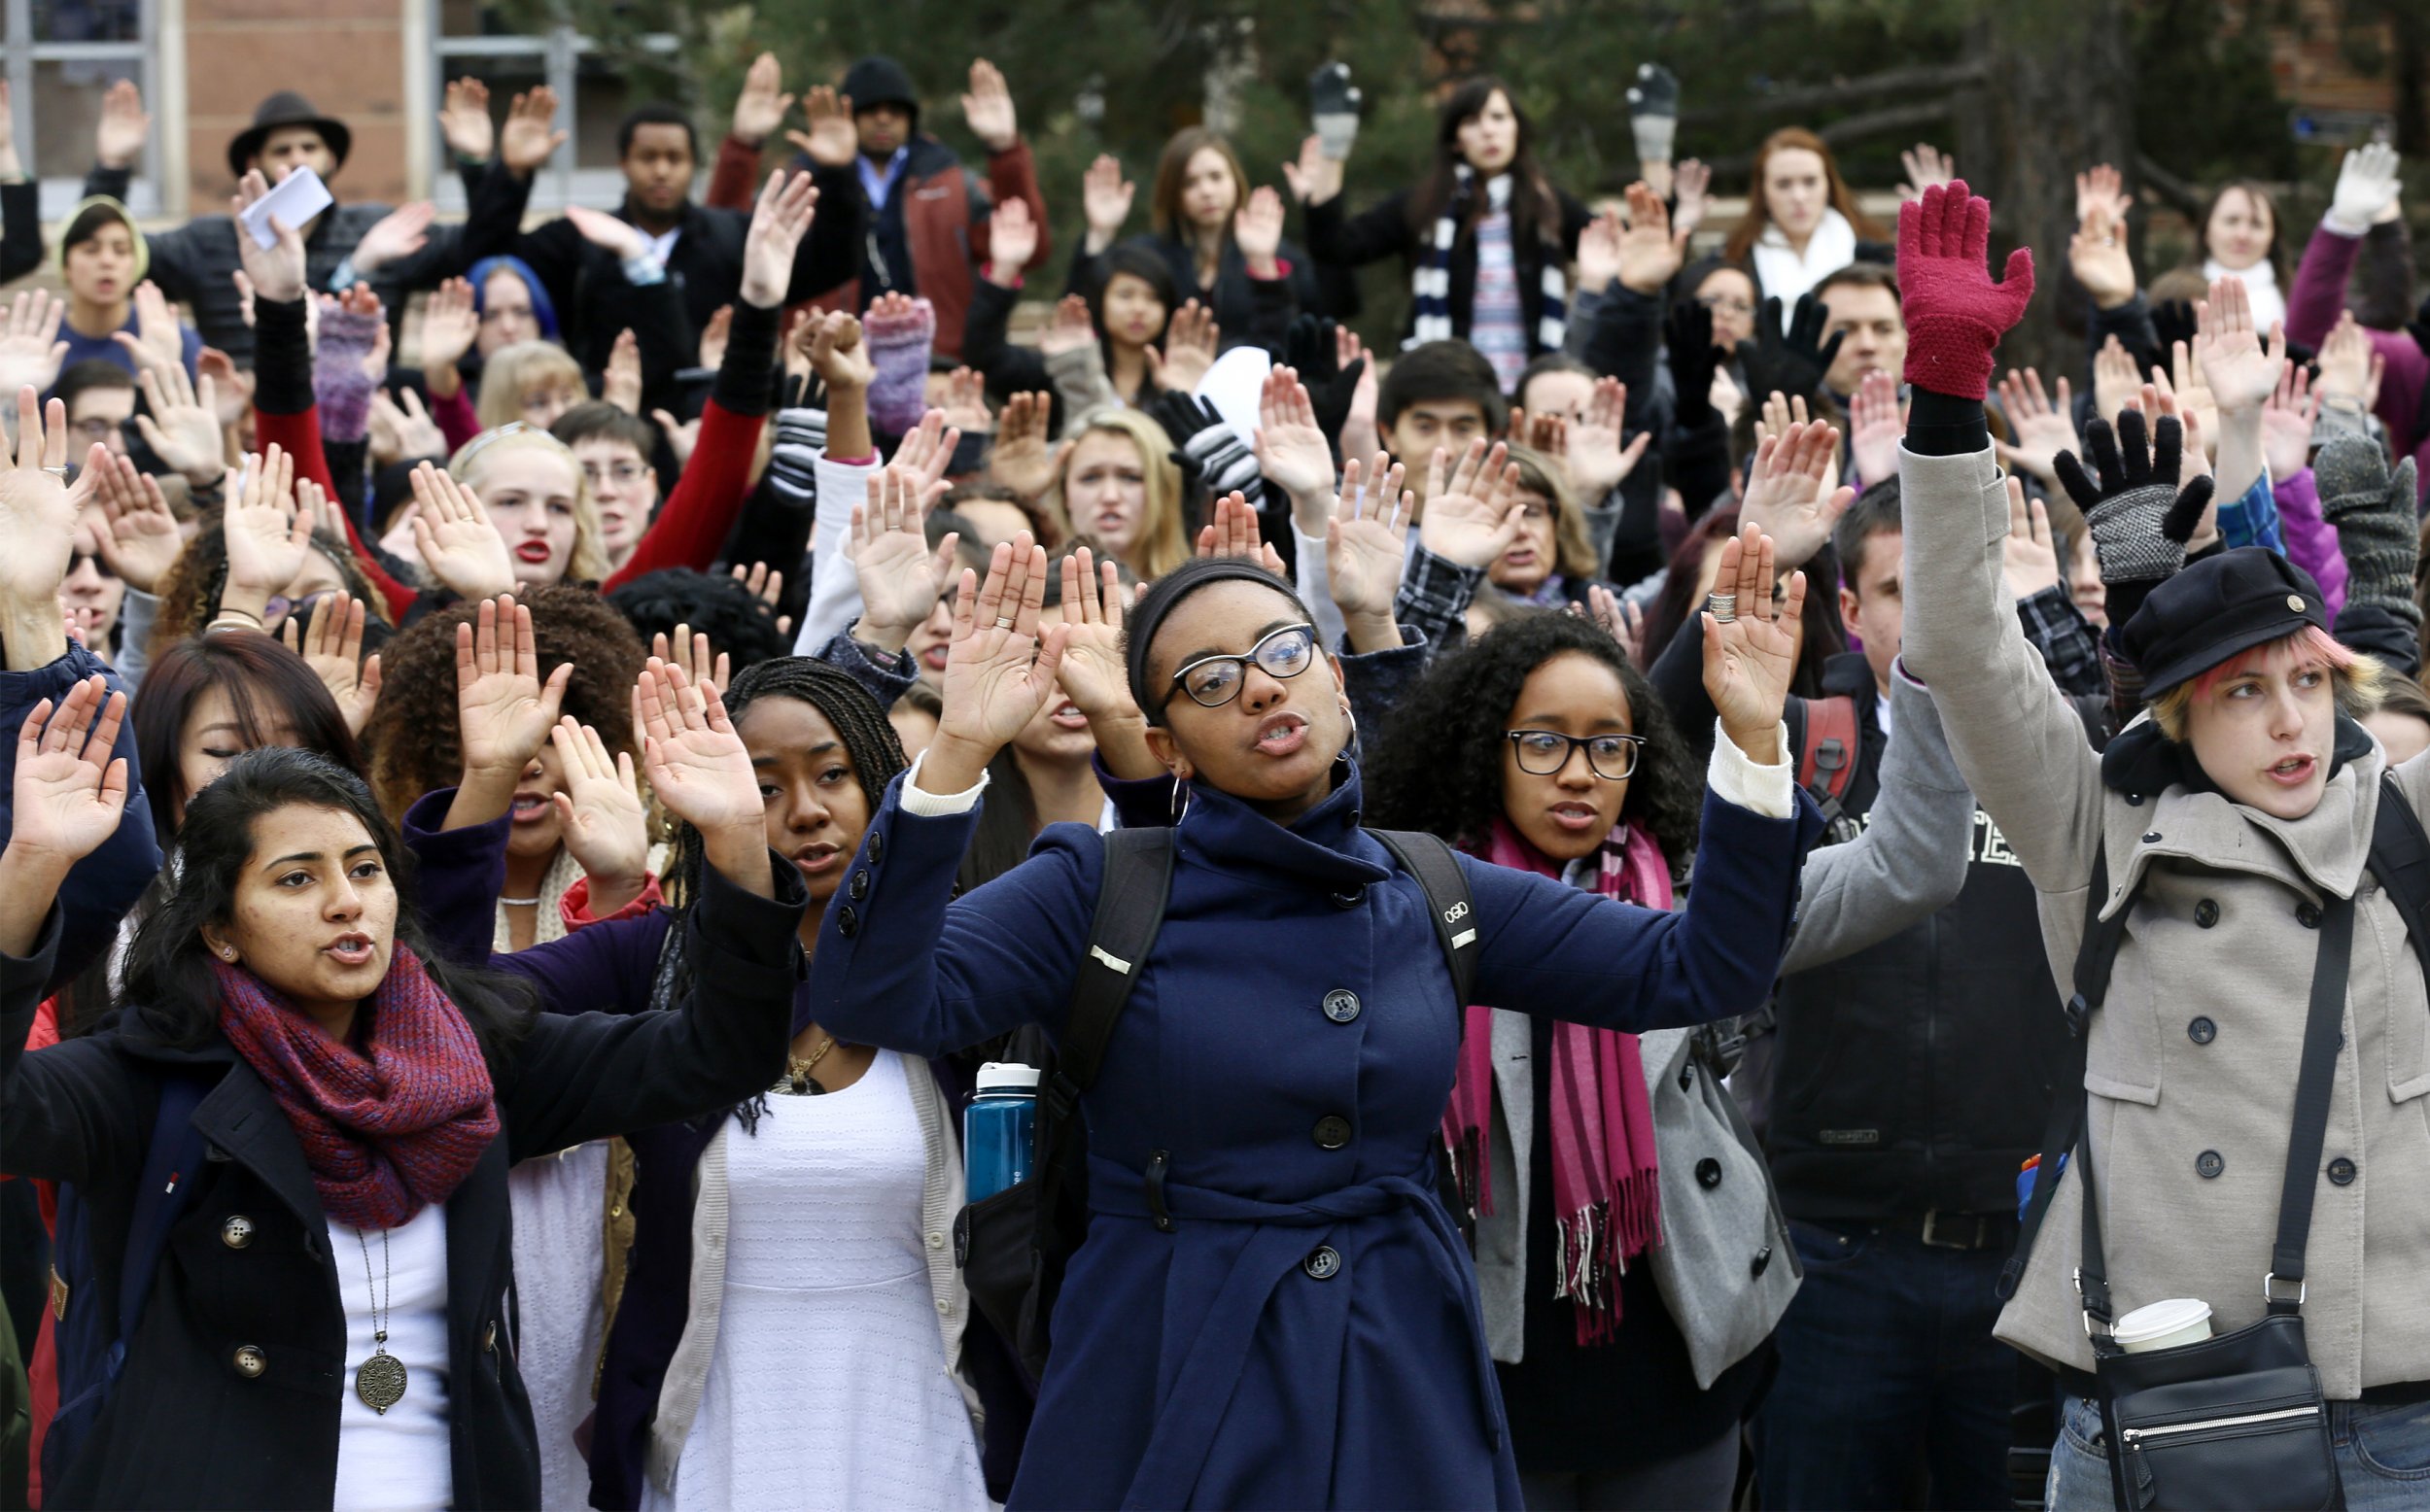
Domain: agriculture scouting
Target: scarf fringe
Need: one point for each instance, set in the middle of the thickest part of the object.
(1591, 1251)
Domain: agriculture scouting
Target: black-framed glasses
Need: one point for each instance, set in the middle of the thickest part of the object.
(1213, 681)
(1542, 754)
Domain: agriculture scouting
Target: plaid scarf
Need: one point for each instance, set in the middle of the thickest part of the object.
(1607, 1191)
(1430, 283)
(384, 1132)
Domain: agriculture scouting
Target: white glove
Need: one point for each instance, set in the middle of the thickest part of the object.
(2366, 186)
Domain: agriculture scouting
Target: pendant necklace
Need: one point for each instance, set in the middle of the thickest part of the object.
(798, 1080)
(381, 1380)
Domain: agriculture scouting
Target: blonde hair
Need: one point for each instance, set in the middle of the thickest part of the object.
(2359, 680)
(1163, 544)
(1572, 551)
(588, 562)
(513, 372)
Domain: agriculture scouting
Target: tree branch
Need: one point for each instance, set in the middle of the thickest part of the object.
(1928, 77)
(2180, 195)
(1849, 128)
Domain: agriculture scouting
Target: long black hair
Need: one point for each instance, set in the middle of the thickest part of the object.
(172, 992)
(1532, 204)
(1439, 765)
(1143, 264)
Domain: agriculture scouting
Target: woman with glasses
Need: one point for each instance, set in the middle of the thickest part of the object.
(1272, 1306)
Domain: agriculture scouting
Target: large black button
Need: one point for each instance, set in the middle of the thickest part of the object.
(1324, 1264)
(877, 847)
(1342, 1005)
(2208, 1164)
(236, 1233)
(1708, 1173)
(860, 887)
(2151, 836)
(2134, 799)
(847, 922)
(1350, 898)
(1761, 1262)
(2341, 1171)
(1332, 1131)
(2307, 915)
(2206, 914)
(2201, 1031)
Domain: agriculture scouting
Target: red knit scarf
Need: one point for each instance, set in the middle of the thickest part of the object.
(387, 1132)
(1607, 1192)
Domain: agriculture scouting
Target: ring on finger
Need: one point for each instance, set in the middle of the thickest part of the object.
(1003, 622)
(1724, 607)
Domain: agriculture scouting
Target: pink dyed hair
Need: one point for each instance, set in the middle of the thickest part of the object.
(2310, 641)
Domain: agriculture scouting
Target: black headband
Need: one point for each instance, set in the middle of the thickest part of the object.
(1200, 573)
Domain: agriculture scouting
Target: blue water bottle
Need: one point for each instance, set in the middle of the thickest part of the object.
(999, 1129)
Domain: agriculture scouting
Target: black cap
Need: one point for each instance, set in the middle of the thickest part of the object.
(286, 108)
(2216, 609)
(879, 79)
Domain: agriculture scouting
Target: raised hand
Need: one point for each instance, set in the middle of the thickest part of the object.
(1955, 314)
(1622, 621)
(464, 120)
(454, 538)
(925, 451)
(901, 577)
(966, 402)
(620, 384)
(2183, 385)
(157, 340)
(988, 107)
(1365, 547)
(531, 137)
(333, 647)
(1791, 492)
(266, 534)
(183, 423)
(449, 325)
(683, 436)
(690, 650)
(1069, 329)
(1474, 507)
(502, 708)
(1021, 459)
(1315, 178)
(701, 770)
(1927, 166)
(37, 510)
(2100, 190)
(768, 588)
(1691, 195)
(2348, 365)
(1598, 251)
(277, 271)
(124, 126)
(1290, 447)
(830, 142)
(2140, 519)
(839, 357)
(1596, 460)
(1000, 668)
(69, 792)
(2238, 370)
(599, 815)
(1191, 338)
(1794, 362)
(2030, 558)
(1012, 242)
(714, 336)
(2286, 424)
(30, 349)
(787, 204)
(1876, 424)
(1257, 228)
(2116, 385)
(1104, 200)
(1650, 252)
(2096, 254)
(1750, 658)
(398, 235)
(759, 110)
(2043, 429)
(1233, 533)
(1094, 674)
(2366, 191)
(619, 238)
(138, 537)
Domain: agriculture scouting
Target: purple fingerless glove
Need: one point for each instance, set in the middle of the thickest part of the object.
(899, 347)
(341, 387)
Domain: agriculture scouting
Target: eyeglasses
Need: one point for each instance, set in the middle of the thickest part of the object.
(498, 313)
(1545, 753)
(1213, 681)
(1726, 304)
(95, 427)
(623, 474)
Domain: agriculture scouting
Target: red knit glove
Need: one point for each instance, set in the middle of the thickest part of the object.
(1955, 313)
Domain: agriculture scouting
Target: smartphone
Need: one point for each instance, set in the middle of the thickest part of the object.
(293, 200)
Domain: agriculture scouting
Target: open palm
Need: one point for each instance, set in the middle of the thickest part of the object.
(503, 711)
(900, 575)
(697, 764)
(599, 813)
(1750, 659)
(1366, 542)
(69, 793)
(999, 670)
(1472, 507)
(1094, 674)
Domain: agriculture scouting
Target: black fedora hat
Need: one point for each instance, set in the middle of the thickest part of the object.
(286, 108)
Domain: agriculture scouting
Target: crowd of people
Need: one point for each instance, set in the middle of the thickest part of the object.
(507, 723)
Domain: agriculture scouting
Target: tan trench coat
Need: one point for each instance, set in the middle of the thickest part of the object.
(2189, 1122)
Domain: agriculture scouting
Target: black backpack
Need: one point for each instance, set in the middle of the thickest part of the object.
(1013, 1246)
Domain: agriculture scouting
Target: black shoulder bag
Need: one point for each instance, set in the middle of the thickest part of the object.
(1014, 1246)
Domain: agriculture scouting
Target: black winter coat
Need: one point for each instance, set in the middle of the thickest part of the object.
(190, 1425)
(1340, 239)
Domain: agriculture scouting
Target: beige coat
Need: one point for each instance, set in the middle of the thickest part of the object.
(2162, 1101)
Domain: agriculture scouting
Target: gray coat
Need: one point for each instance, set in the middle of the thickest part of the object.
(2189, 1124)
(1725, 1267)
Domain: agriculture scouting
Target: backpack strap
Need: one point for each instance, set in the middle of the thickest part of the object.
(2400, 857)
(1437, 872)
(1129, 910)
(1826, 757)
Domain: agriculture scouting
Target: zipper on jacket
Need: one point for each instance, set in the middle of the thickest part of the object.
(2134, 1437)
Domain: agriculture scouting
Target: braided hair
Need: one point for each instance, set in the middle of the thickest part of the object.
(877, 756)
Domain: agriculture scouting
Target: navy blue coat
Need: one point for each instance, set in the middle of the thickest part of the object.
(1308, 1334)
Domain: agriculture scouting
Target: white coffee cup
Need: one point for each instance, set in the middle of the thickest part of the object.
(2162, 1325)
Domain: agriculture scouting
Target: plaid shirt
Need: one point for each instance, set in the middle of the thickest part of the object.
(2071, 648)
(1435, 595)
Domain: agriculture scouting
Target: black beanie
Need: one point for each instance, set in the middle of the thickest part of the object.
(879, 79)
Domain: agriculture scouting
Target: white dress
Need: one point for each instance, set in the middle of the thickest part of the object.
(560, 1202)
(827, 1387)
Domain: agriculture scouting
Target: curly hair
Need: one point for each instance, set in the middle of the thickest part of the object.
(736, 620)
(1439, 764)
(415, 746)
(191, 593)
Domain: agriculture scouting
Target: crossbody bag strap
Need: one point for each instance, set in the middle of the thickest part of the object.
(2323, 1031)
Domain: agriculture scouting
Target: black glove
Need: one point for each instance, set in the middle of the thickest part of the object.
(1687, 341)
(2172, 321)
(2141, 520)
(1795, 364)
(1205, 449)
(1308, 347)
(1333, 106)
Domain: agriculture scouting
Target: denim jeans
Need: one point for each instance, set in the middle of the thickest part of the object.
(1888, 1374)
(2383, 1457)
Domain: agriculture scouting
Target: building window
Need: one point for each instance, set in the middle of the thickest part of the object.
(62, 55)
(471, 39)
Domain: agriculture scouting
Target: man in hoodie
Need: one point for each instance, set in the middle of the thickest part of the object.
(925, 215)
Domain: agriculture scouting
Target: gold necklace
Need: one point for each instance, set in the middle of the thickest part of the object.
(797, 1070)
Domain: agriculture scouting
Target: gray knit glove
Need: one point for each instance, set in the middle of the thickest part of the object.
(2141, 520)
(2372, 510)
(1653, 112)
(1334, 103)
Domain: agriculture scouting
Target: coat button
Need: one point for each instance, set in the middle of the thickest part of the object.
(1761, 1262)
(936, 1241)
(860, 885)
(2307, 915)
(237, 1231)
(1332, 1131)
(847, 922)
(2341, 1171)
(2134, 799)
(2201, 1031)
(249, 1361)
(1350, 898)
(2208, 1164)
(1325, 1264)
(2206, 914)
(1342, 1005)
(2151, 836)
(1708, 1173)
(877, 847)
(945, 1309)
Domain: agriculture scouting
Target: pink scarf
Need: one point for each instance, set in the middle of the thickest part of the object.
(1607, 1196)
(384, 1133)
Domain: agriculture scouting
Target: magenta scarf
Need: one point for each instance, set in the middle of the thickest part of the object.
(1606, 1191)
(385, 1133)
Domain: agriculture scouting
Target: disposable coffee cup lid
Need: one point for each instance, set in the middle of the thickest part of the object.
(998, 1075)
(2155, 1322)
